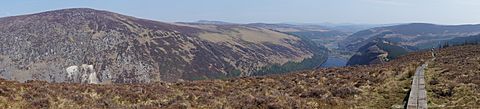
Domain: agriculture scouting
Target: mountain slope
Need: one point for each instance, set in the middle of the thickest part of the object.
(92, 46)
(407, 37)
(475, 39)
(377, 52)
(322, 36)
(385, 86)
(419, 35)
(453, 76)
(453, 80)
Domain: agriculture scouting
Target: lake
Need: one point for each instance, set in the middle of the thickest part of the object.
(334, 62)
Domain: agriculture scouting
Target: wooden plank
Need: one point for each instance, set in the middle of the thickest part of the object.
(418, 94)
(422, 93)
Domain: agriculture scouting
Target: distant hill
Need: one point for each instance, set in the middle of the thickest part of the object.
(92, 46)
(210, 22)
(290, 27)
(322, 36)
(376, 52)
(419, 35)
(475, 39)
(411, 37)
(353, 28)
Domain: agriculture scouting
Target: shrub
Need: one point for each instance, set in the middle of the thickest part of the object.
(344, 92)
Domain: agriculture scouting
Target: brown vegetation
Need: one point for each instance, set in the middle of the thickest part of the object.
(453, 80)
(374, 86)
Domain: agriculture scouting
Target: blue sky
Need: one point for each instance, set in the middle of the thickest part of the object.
(271, 11)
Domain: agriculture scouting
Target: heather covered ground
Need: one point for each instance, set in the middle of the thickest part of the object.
(453, 81)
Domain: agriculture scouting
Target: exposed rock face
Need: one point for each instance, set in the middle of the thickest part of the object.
(83, 74)
(92, 46)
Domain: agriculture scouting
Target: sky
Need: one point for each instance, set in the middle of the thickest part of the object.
(270, 11)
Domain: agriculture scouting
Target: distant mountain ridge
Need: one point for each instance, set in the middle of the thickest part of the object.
(420, 35)
(475, 39)
(211, 22)
(411, 37)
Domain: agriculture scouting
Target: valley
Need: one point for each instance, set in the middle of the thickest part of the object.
(91, 58)
(333, 61)
(101, 47)
(384, 85)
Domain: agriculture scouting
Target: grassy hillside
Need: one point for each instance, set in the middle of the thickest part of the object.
(452, 81)
(394, 51)
(53, 46)
(319, 57)
(376, 53)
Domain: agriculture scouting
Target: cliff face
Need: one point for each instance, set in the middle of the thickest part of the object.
(92, 46)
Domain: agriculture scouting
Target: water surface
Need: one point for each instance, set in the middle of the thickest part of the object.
(334, 62)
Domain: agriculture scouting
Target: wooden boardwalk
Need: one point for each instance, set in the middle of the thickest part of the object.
(418, 95)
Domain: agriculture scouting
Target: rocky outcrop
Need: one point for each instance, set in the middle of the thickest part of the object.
(83, 74)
